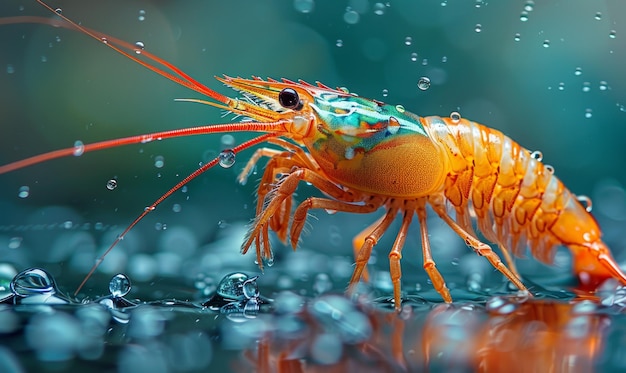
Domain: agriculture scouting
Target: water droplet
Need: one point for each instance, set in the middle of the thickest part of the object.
(385, 93)
(349, 153)
(478, 3)
(177, 207)
(425, 62)
(23, 191)
(456, 117)
(537, 154)
(478, 27)
(588, 113)
(149, 208)
(561, 86)
(250, 288)
(79, 148)
(586, 86)
(159, 161)
(379, 9)
(322, 283)
(408, 40)
(339, 43)
(104, 40)
(227, 141)
(111, 184)
(598, 16)
(523, 16)
(546, 43)
(58, 11)
(139, 46)
(444, 3)
(227, 158)
(603, 85)
(549, 168)
(529, 6)
(413, 56)
(142, 15)
(33, 281)
(578, 71)
(231, 286)
(400, 108)
(613, 34)
(423, 83)
(351, 17)
(304, 6)
(444, 59)
(14, 243)
(586, 202)
(119, 285)
(10, 69)
(517, 37)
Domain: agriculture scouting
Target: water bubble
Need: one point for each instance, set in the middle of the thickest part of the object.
(322, 283)
(586, 86)
(455, 116)
(159, 161)
(15, 242)
(413, 56)
(586, 202)
(425, 62)
(227, 141)
(58, 11)
(478, 27)
(523, 16)
(250, 288)
(379, 9)
(578, 71)
(598, 16)
(549, 168)
(119, 285)
(33, 281)
(111, 184)
(227, 158)
(444, 59)
(304, 6)
(339, 43)
(561, 86)
(351, 17)
(529, 6)
(423, 83)
(408, 40)
(23, 191)
(142, 15)
(603, 85)
(139, 46)
(385, 93)
(537, 154)
(400, 108)
(517, 37)
(79, 148)
(588, 113)
(10, 69)
(231, 286)
(478, 3)
(177, 207)
(546, 43)
(613, 34)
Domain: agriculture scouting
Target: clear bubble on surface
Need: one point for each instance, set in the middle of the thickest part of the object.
(33, 281)
(232, 286)
(423, 83)
(119, 285)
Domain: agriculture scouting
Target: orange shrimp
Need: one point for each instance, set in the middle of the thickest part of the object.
(364, 155)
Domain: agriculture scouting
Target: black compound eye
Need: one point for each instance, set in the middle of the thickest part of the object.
(289, 99)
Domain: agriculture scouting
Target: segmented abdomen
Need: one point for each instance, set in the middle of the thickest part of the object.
(516, 198)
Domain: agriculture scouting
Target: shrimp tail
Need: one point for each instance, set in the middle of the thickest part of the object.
(594, 264)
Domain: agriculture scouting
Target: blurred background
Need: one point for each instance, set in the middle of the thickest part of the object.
(550, 75)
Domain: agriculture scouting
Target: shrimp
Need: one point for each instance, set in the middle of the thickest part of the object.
(365, 156)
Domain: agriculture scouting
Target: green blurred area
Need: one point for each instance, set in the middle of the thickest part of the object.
(58, 86)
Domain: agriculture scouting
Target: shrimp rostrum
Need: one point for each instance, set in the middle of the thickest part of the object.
(366, 156)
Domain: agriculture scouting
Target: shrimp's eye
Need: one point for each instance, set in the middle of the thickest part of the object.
(289, 99)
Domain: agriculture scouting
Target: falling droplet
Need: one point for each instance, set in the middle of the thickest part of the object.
(588, 113)
(119, 285)
(546, 43)
(603, 85)
(227, 158)
(598, 16)
(408, 40)
(385, 93)
(79, 148)
(159, 161)
(586, 86)
(455, 116)
(537, 154)
(33, 281)
(613, 34)
(139, 47)
(423, 83)
(413, 56)
(523, 16)
(578, 71)
(478, 27)
(561, 86)
(23, 192)
(111, 184)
